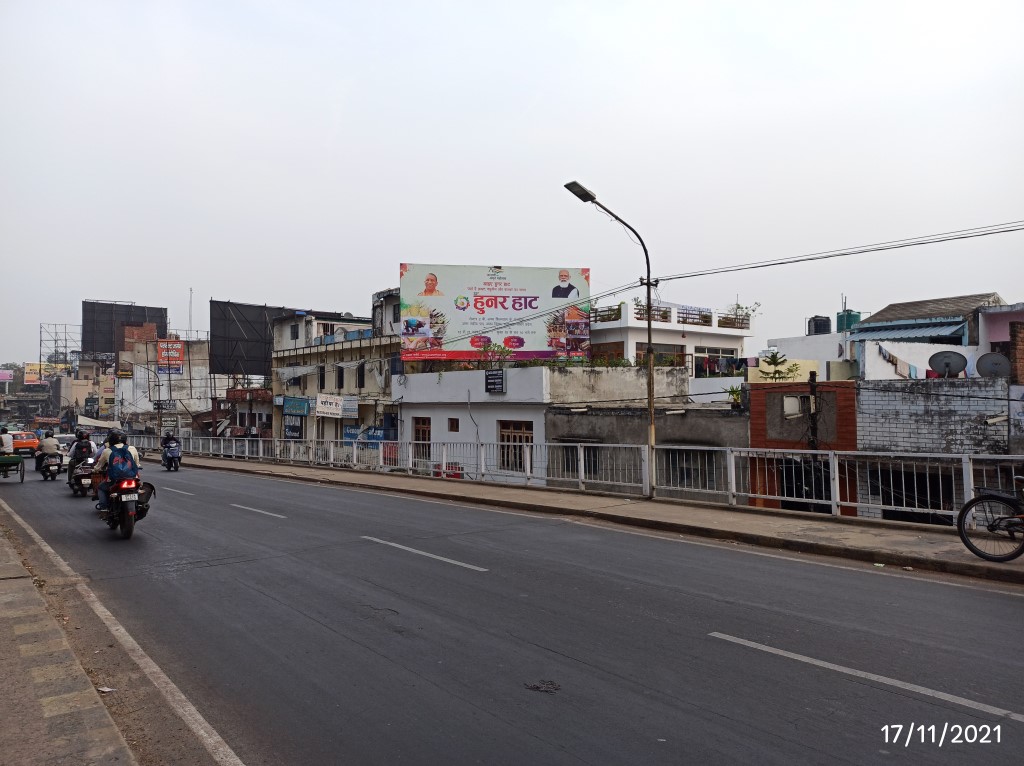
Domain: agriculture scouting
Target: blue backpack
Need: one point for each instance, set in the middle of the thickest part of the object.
(121, 464)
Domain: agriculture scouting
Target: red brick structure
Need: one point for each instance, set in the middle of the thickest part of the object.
(781, 418)
(127, 334)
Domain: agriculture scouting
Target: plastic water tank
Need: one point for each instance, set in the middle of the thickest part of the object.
(845, 320)
(819, 325)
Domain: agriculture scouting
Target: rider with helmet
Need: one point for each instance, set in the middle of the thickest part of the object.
(115, 439)
(48, 445)
(168, 438)
(81, 449)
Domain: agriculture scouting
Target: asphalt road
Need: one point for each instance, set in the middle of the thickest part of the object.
(318, 625)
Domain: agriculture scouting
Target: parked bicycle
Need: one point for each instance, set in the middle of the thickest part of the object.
(992, 524)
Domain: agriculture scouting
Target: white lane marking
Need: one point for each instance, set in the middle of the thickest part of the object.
(873, 677)
(257, 510)
(215, 746)
(424, 553)
(180, 492)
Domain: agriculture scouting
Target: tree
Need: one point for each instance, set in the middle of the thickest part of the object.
(781, 368)
(494, 355)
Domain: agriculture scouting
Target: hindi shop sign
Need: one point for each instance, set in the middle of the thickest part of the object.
(170, 357)
(469, 312)
(328, 406)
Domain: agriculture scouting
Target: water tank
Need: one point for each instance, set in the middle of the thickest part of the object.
(846, 319)
(819, 326)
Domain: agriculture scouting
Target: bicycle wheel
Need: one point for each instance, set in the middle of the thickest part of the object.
(991, 528)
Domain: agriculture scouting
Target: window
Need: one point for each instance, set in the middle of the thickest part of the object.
(294, 332)
(512, 436)
(396, 313)
(321, 373)
(397, 366)
(340, 374)
(797, 405)
(453, 425)
(361, 375)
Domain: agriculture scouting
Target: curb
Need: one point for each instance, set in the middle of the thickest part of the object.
(923, 563)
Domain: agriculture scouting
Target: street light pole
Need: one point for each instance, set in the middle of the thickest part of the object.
(586, 195)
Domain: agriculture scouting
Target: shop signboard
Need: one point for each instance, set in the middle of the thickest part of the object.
(296, 405)
(294, 426)
(170, 357)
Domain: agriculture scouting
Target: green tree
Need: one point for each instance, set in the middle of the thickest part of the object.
(781, 368)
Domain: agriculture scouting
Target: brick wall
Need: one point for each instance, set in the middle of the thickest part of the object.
(125, 335)
(933, 415)
(837, 416)
(1017, 353)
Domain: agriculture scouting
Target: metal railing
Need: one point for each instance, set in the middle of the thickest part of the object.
(928, 488)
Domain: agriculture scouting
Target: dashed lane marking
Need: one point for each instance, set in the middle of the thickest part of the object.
(424, 553)
(257, 510)
(874, 677)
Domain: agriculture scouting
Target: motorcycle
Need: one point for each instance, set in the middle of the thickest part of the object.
(127, 504)
(51, 466)
(81, 477)
(171, 459)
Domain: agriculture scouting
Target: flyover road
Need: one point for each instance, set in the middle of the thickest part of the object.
(319, 625)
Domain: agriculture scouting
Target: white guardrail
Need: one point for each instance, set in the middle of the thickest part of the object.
(894, 486)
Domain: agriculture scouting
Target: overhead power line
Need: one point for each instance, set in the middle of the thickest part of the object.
(931, 239)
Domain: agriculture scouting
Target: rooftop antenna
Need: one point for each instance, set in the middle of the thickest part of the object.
(949, 364)
(190, 312)
(993, 365)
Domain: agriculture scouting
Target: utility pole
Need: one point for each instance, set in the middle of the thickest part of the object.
(812, 440)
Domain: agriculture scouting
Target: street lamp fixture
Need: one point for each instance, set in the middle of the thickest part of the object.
(585, 195)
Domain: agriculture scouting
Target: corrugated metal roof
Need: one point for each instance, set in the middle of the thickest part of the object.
(961, 305)
(903, 333)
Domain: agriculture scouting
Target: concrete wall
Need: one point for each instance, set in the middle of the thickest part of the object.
(707, 428)
(477, 421)
(543, 385)
(705, 390)
(936, 415)
(874, 367)
(823, 348)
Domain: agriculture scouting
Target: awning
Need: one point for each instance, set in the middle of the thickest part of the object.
(84, 422)
(910, 333)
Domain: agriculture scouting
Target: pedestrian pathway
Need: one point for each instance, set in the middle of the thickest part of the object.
(895, 544)
(50, 711)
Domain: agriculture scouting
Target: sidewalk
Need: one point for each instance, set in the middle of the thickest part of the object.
(51, 712)
(894, 544)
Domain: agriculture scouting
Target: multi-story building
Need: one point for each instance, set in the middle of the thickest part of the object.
(332, 373)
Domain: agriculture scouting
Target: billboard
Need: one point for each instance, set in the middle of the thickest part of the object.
(101, 319)
(170, 357)
(39, 373)
(6, 376)
(463, 312)
(241, 339)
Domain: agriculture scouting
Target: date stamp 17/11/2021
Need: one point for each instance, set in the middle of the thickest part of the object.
(947, 734)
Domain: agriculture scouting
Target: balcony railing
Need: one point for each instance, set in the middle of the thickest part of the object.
(684, 315)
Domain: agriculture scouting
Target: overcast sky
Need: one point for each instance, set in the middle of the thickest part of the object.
(293, 152)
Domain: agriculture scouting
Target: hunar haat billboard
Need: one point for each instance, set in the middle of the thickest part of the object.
(457, 312)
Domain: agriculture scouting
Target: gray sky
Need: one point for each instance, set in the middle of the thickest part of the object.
(293, 152)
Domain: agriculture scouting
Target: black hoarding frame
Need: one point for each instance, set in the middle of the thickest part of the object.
(241, 337)
(100, 320)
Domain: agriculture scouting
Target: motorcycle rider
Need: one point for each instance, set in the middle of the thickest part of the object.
(116, 438)
(47, 446)
(81, 449)
(168, 438)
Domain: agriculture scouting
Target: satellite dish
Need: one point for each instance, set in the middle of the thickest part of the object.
(992, 365)
(948, 364)
(347, 315)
